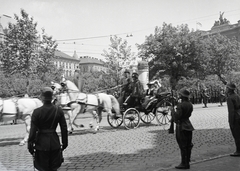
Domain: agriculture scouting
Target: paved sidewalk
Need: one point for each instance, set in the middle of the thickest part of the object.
(147, 148)
(221, 163)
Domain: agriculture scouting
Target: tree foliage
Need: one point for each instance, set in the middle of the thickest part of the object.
(117, 55)
(172, 51)
(222, 55)
(179, 52)
(26, 52)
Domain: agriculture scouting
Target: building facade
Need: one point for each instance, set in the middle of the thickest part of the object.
(67, 63)
(87, 64)
(226, 29)
(70, 64)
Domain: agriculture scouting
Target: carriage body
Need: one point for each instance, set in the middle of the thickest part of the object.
(160, 108)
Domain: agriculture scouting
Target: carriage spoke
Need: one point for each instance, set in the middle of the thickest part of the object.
(147, 117)
(114, 121)
(131, 118)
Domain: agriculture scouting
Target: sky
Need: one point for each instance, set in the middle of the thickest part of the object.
(85, 26)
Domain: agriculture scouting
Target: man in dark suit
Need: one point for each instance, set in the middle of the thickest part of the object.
(184, 128)
(205, 97)
(78, 79)
(43, 142)
(125, 87)
(233, 104)
(136, 91)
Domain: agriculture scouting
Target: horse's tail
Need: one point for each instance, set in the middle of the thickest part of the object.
(115, 104)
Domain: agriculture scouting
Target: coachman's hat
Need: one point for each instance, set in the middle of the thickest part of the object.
(184, 93)
(231, 86)
(127, 71)
(47, 93)
(135, 75)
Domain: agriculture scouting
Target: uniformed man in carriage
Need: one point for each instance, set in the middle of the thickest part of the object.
(78, 79)
(125, 90)
(137, 91)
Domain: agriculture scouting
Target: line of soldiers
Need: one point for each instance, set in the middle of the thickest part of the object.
(207, 96)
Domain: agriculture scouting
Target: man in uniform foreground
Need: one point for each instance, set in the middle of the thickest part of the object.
(43, 142)
(233, 104)
(184, 128)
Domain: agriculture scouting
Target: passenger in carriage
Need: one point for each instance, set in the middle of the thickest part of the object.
(156, 91)
(149, 93)
(136, 91)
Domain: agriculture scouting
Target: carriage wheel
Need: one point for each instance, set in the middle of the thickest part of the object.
(147, 118)
(163, 112)
(131, 118)
(114, 121)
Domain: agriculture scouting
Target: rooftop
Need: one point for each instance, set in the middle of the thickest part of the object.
(90, 60)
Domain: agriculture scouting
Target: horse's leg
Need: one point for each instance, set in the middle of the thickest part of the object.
(98, 116)
(70, 126)
(76, 108)
(95, 116)
(27, 121)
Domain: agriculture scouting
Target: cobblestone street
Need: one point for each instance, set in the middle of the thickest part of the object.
(147, 148)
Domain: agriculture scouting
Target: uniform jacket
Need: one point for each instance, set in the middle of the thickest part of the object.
(205, 96)
(126, 86)
(233, 103)
(137, 89)
(182, 114)
(78, 80)
(42, 119)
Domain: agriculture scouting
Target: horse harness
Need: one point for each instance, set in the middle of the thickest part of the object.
(17, 114)
(85, 103)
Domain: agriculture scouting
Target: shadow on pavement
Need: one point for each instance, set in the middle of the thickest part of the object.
(149, 149)
(9, 141)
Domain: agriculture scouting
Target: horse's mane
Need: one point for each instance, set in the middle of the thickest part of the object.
(71, 85)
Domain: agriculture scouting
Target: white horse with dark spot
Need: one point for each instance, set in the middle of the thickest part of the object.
(19, 108)
(93, 103)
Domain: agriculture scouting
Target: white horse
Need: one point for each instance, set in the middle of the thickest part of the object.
(19, 108)
(62, 99)
(92, 103)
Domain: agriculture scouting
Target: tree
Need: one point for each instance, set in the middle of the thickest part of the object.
(45, 68)
(172, 51)
(222, 55)
(117, 55)
(25, 53)
(20, 46)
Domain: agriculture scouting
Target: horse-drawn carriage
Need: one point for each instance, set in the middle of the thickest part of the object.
(131, 115)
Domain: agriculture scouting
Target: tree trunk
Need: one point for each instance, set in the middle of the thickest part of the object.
(28, 87)
(222, 79)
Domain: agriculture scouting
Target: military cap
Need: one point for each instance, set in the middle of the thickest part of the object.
(47, 93)
(231, 86)
(184, 93)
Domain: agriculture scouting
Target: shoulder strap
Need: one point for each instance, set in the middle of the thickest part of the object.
(54, 117)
